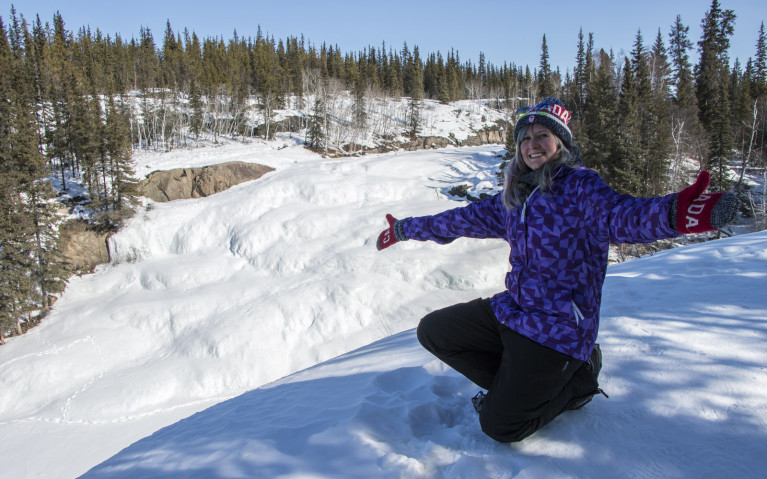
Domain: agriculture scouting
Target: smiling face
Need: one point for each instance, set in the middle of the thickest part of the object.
(538, 145)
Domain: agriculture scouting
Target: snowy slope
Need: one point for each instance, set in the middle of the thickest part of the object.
(223, 306)
(684, 341)
(210, 298)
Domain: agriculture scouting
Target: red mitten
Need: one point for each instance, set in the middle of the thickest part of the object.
(694, 208)
(387, 236)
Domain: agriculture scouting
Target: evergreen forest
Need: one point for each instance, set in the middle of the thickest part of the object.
(78, 103)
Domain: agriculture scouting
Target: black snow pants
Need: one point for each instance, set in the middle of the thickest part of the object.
(528, 384)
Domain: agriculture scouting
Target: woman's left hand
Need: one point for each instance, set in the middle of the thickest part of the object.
(698, 212)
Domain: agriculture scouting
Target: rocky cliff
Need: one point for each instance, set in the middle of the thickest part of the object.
(82, 248)
(185, 183)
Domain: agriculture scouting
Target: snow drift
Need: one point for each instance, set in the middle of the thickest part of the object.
(683, 335)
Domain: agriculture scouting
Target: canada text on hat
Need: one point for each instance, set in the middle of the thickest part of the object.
(556, 112)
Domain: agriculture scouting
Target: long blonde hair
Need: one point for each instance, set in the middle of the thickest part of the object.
(514, 193)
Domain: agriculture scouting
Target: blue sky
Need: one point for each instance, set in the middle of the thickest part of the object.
(506, 31)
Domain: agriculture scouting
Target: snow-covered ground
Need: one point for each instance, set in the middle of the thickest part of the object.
(267, 311)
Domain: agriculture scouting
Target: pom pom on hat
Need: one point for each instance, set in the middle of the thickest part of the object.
(550, 113)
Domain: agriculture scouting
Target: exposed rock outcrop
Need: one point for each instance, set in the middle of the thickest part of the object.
(81, 247)
(485, 136)
(489, 135)
(185, 183)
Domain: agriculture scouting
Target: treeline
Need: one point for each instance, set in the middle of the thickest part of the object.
(75, 103)
(640, 118)
(631, 114)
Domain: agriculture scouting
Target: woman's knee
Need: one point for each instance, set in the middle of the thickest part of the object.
(504, 418)
(506, 432)
(425, 331)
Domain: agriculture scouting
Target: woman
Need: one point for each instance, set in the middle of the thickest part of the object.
(533, 346)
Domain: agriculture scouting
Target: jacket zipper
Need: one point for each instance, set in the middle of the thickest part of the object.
(524, 207)
(578, 314)
(522, 219)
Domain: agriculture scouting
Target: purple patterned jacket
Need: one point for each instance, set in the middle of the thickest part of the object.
(559, 245)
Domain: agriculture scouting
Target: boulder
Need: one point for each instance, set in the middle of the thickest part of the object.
(185, 183)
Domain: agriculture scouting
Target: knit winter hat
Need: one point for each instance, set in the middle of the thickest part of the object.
(550, 113)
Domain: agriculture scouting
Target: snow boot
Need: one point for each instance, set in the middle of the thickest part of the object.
(593, 366)
(595, 362)
(478, 401)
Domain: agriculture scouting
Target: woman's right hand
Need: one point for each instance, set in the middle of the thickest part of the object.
(387, 236)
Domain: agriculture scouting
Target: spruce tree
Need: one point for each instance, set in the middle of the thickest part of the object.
(645, 108)
(759, 87)
(682, 79)
(36, 52)
(170, 64)
(194, 65)
(295, 69)
(545, 82)
(712, 90)
(195, 103)
(580, 79)
(444, 92)
(687, 134)
(316, 137)
(742, 104)
(659, 142)
(84, 125)
(590, 65)
(414, 82)
(49, 273)
(16, 267)
(759, 76)
(10, 273)
(267, 76)
(7, 65)
(576, 88)
(631, 162)
(600, 145)
(360, 108)
(148, 68)
(123, 185)
(454, 83)
(393, 75)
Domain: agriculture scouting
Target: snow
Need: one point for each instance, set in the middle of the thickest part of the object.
(258, 333)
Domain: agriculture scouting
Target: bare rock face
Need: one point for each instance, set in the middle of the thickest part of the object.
(82, 248)
(486, 136)
(185, 183)
(489, 135)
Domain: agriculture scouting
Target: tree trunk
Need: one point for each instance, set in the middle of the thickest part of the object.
(63, 179)
(747, 158)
